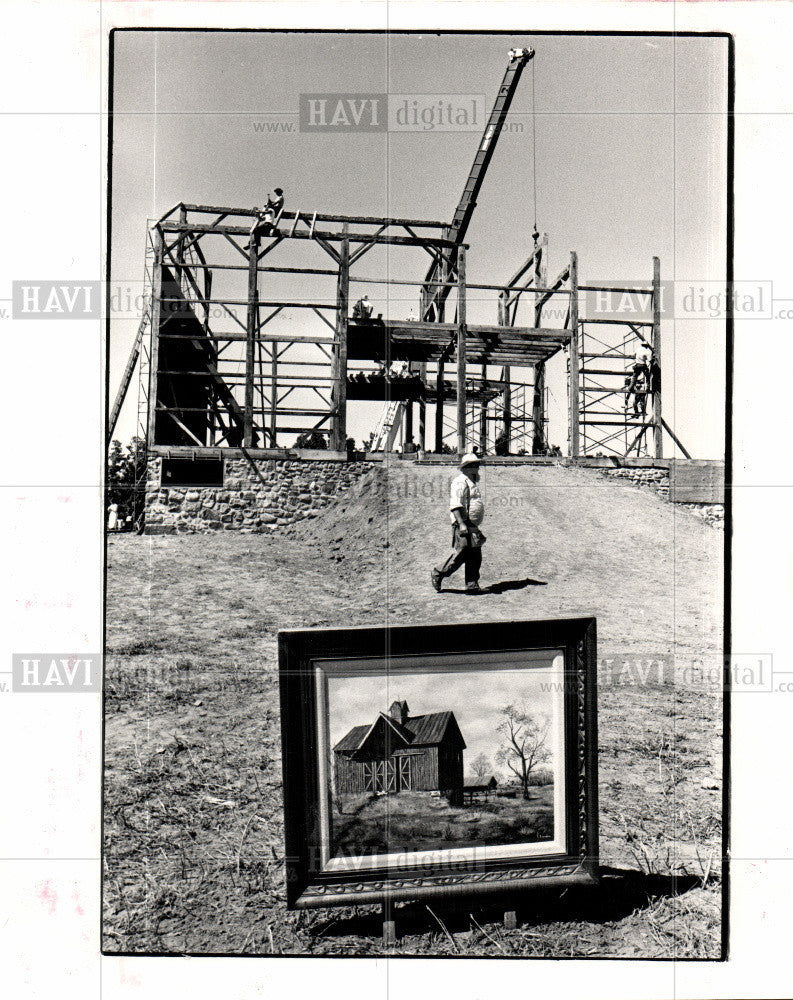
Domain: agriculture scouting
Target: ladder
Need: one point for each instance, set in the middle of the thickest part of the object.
(139, 344)
(388, 425)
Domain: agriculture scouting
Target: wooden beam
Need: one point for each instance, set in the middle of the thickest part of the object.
(658, 436)
(461, 351)
(672, 435)
(506, 402)
(250, 337)
(573, 377)
(274, 394)
(538, 444)
(522, 269)
(156, 312)
(386, 239)
(363, 220)
(339, 436)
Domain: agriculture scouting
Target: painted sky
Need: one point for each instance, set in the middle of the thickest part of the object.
(475, 697)
(630, 163)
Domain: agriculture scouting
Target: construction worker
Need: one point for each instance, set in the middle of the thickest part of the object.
(466, 511)
(362, 310)
(636, 386)
(640, 370)
(265, 220)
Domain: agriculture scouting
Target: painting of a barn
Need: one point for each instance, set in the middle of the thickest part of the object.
(398, 752)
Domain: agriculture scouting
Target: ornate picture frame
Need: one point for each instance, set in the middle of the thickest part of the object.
(535, 824)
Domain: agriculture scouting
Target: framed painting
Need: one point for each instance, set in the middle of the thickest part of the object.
(438, 760)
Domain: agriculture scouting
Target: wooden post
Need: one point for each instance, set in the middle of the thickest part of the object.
(461, 351)
(274, 393)
(439, 409)
(156, 318)
(422, 441)
(441, 315)
(658, 432)
(507, 392)
(573, 376)
(339, 442)
(250, 340)
(538, 404)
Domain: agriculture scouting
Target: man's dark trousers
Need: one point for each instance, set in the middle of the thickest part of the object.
(463, 553)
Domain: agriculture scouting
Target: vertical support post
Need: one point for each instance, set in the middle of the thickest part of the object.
(422, 441)
(274, 393)
(156, 319)
(658, 432)
(503, 320)
(251, 336)
(439, 409)
(339, 437)
(483, 428)
(539, 444)
(461, 351)
(180, 244)
(575, 363)
(439, 401)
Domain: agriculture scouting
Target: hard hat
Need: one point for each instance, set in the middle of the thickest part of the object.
(470, 458)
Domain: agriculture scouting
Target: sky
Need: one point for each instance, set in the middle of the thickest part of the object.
(628, 139)
(476, 698)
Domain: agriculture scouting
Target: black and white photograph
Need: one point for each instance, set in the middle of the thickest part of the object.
(397, 549)
(429, 333)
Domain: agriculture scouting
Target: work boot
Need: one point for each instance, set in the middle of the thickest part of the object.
(473, 588)
(437, 580)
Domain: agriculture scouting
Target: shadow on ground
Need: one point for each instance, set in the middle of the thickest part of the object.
(498, 588)
(619, 893)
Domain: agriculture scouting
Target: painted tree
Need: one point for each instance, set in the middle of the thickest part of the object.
(480, 766)
(525, 743)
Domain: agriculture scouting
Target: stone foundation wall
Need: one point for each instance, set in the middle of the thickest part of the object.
(658, 481)
(287, 492)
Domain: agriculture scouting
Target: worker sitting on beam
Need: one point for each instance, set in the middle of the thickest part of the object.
(362, 310)
(266, 220)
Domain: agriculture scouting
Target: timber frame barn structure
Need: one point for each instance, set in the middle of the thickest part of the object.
(213, 377)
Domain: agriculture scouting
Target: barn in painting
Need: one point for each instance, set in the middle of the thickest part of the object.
(399, 752)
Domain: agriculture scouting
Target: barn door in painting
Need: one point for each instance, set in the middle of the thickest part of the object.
(387, 775)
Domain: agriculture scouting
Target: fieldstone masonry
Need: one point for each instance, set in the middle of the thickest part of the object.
(658, 481)
(285, 492)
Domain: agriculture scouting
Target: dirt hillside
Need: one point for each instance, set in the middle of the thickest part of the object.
(651, 572)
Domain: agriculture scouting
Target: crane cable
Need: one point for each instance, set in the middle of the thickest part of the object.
(534, 145)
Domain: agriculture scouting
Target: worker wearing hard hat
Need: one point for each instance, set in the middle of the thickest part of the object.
(466, 511)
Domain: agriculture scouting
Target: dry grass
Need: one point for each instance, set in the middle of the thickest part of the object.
(193, 822)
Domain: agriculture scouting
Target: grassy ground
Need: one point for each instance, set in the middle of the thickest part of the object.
(415, 821)
(193, 822)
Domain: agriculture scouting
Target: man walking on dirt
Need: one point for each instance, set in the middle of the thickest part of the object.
(467, 511)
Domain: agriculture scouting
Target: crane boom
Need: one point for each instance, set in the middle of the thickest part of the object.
(484, 154)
